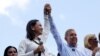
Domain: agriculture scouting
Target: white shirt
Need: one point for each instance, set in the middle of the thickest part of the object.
(27, 47)
(98, 53)
(87, 52)
(63, 49)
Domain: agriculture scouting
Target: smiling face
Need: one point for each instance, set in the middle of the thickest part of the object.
(37, 28)
(12, 52)
(71, 38)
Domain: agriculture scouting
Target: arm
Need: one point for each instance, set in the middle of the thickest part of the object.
(46, 29)
(55, 33)
(95, 51)
(47, 11)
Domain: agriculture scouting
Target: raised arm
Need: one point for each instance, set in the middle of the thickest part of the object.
(46, 28)
(54, 30)
(55, 33)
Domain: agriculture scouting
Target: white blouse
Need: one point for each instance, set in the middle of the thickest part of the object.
(87, 52)
(27, 47)
(98, 53)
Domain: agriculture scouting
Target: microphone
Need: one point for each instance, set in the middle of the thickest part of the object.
(41, 43)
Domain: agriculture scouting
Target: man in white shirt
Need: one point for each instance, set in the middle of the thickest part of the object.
(69, 49)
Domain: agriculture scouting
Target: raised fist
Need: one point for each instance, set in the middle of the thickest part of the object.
(47, 9)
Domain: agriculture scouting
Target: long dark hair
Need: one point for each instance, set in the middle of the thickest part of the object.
(6, 50)
(30, 32)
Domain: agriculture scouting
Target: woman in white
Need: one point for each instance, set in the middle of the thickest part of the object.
(90, 43)
(36, 36)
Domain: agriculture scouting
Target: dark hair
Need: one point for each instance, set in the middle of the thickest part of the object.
(7, 48)
(30, 32)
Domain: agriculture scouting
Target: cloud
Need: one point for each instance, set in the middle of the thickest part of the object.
(5, 4)
(15, 20)
(22, 4)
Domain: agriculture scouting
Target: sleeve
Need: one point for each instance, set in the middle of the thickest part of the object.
(55, 34)
(46, 29)
(22, 50)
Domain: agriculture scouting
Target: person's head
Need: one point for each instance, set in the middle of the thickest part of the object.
(90, 41)
(71, 37)
(34, 28)
(10, 51)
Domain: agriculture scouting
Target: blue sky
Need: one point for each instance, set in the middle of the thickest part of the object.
(82, 15)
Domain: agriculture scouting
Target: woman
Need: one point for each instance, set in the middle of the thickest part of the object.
(36, 36)
(10, 51)
(91, 44)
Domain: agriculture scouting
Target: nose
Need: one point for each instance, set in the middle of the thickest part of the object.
(13, 54)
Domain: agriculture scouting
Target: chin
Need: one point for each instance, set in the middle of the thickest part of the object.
(74, 44)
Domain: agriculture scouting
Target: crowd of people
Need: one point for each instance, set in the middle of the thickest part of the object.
(36, 36)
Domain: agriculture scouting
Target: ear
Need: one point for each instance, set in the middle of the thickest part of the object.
(32, 28)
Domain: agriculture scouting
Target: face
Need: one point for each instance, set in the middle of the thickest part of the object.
(12, 52)
(93, 42)
(38, 28)
(71, 38)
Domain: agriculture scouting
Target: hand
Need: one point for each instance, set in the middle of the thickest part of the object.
(95, 50)
(39, 49)
(47, 9)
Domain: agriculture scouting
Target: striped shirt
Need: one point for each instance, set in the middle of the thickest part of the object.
(63, 49)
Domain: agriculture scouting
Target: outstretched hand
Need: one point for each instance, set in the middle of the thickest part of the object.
(47, 9)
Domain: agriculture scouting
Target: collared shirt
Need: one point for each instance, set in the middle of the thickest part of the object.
(63, 49)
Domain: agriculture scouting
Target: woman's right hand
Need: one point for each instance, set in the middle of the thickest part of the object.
(39, 49)
(95, 50)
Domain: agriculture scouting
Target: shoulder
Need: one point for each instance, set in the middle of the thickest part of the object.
(81, 49)
(25, 41)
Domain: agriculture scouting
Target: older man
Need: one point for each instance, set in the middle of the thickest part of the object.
(69, 49)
